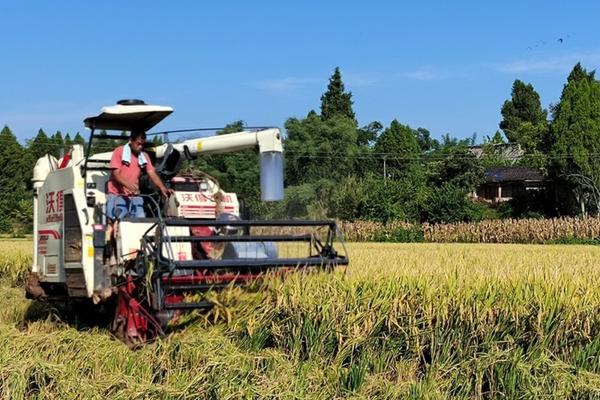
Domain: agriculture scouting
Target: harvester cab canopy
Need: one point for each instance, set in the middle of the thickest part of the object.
(128, 115)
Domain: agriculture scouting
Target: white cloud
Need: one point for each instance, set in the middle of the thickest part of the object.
(295, 82)
(424, 74)
(352, 80)
(364, 79)
(284, 84)
(563, 63)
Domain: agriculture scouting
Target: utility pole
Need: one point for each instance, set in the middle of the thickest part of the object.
(384, 168)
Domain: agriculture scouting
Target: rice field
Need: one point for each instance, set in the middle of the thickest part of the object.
(431, 321)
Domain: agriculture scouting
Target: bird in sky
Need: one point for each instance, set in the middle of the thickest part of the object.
(543, 43)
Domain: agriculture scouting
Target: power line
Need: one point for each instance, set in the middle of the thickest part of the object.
(333, 155)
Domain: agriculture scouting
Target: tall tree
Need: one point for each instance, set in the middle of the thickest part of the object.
(426, 142)
(36, 148)
(13, 164)
(78, 139)
(367, 135)
(575, 138)
(397, 146)
(524, 121)
(336, 102)
(68, 141)
(58, 144)
(39, 146)
(319, 149)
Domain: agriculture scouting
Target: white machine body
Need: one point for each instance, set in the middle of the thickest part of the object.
(67, 224)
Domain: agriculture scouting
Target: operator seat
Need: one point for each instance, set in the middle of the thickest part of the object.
(166, 170)
(170, 164)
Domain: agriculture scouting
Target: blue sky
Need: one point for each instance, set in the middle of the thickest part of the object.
(446, 66)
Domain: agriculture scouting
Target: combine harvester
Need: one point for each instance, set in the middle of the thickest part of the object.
(192, 242)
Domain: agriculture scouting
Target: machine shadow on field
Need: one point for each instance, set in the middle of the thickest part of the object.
(87, 316)
(77, 315)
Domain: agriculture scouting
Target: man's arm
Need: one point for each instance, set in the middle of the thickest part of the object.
(131, 186)
(158, 182)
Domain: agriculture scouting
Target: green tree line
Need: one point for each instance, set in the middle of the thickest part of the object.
(16, 166)
(335, 168)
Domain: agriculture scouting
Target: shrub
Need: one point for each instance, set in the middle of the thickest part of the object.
(574, 240)
(449, 203)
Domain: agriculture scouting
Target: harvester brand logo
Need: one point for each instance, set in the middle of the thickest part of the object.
(54, 206)
(199, 197)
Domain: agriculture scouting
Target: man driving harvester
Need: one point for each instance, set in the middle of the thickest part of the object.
(127, 164)
(123, 200)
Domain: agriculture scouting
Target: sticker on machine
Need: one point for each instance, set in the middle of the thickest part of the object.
(54, 206)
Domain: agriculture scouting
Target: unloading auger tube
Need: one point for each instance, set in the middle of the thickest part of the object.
(149, 266)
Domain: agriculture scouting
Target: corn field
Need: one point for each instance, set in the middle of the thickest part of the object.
(489, 231)
(421, 321)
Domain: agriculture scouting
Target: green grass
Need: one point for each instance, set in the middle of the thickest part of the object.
(405, 321)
